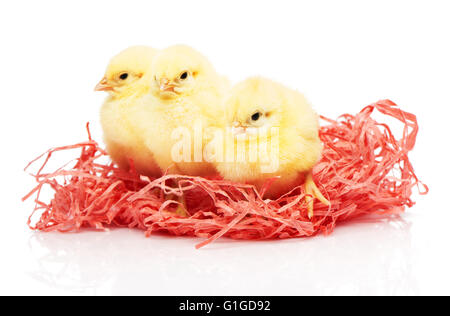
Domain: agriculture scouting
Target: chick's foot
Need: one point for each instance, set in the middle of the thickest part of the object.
(313, 192)
(181, 208)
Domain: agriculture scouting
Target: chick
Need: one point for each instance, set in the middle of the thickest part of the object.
(272, 132)
(186, 94)
(126, 83)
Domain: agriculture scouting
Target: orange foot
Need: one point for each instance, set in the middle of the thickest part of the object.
(312, 190)
(181, 209)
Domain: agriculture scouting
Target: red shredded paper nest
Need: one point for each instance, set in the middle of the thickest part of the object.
(364, 169)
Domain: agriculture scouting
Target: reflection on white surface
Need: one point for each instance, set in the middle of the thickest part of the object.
(364, 257)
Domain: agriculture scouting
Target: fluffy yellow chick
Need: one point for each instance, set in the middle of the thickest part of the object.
(272, 132)
(186, 95)
(126, 83)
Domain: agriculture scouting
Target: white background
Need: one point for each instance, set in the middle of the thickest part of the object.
(342, 54)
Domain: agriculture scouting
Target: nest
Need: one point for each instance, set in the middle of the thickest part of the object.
(364, 170)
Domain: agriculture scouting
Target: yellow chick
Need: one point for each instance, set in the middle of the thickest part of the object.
(186, 98)
(126, 83)
(272, 132)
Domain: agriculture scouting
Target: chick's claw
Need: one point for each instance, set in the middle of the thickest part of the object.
(313, 192)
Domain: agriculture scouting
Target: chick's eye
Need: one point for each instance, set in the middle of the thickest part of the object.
(256, 116)
(184, 75)
(123, 76)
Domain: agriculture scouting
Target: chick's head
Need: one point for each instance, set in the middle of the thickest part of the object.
(180, 70)
(255, 106)
(125, 72)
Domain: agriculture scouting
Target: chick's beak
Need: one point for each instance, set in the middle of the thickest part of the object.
(238, 129)
(166, 86)
(103, 85)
